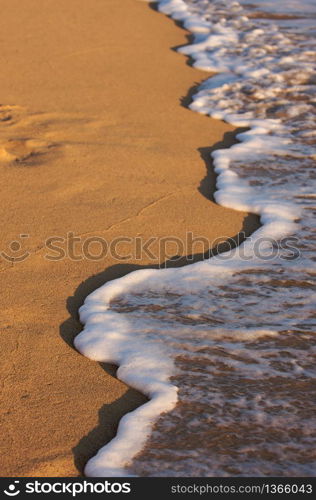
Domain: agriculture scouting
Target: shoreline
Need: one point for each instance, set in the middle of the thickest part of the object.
(45, 398)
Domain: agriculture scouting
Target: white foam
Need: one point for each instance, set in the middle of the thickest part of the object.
(108, 336)
(145, 366)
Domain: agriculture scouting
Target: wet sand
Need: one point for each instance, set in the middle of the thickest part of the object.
(95, 140)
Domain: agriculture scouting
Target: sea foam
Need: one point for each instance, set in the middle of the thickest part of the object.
(233, 314)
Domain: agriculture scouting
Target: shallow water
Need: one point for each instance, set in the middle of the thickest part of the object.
(227, 347)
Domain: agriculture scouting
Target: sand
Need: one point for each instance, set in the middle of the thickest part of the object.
(95, 139)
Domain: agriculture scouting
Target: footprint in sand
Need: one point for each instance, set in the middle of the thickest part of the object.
(13, 147)
(23, 150)
(26, 137)
(8, 113)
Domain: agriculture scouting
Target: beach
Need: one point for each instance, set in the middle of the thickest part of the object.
(95, 140)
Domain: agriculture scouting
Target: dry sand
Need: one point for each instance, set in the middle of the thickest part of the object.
(93, 140)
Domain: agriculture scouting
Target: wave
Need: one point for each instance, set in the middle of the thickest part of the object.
(264, 81)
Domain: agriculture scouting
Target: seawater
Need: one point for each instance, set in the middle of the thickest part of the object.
(225, 348)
